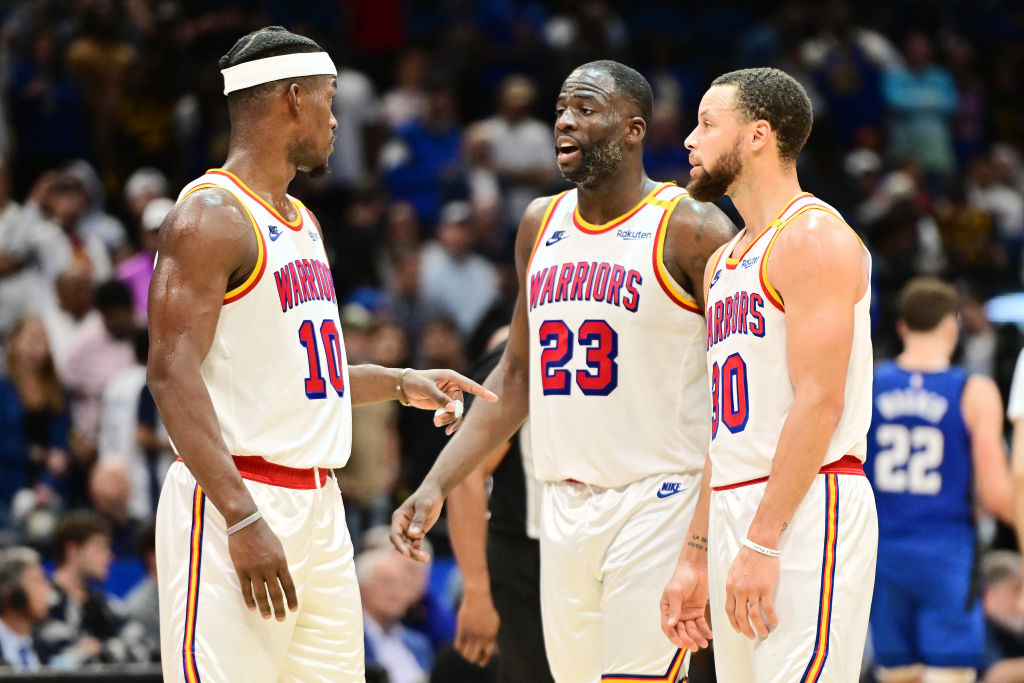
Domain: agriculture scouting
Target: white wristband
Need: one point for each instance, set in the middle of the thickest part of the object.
(235, 528)
(757, 547)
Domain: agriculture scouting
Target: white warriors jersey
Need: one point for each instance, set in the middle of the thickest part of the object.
(618, 389)
(277, 371)
(751, 390)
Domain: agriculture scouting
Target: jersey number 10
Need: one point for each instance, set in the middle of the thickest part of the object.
(315, 385)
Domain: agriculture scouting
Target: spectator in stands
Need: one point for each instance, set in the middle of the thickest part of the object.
(34, 420)
(65, 201)
(137, 270)
(99, 351)
(141, 604)
(387, 594)
(142, 187)
(449, 266)
(71, 311)
(921, 98)
(95, 222)
(523, 153)
(83, 627)
(407, 101)
(24, 604)
(33, 251)
(423, 157)
(110, 492)
(1000, 580)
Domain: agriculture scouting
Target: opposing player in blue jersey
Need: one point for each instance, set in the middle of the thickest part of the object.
(935, 442)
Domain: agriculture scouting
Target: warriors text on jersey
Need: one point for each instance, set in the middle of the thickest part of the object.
(276, 371)
(617, 385)
(749, 374)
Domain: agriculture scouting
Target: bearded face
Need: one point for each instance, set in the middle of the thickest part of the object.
(597, 161)
(713, 182)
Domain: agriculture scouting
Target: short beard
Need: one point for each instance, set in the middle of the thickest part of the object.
(712, 185)
(596, 163)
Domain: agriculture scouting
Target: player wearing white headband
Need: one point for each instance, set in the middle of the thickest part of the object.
(248, 368)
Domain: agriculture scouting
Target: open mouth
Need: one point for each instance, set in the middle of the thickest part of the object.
(567, 150)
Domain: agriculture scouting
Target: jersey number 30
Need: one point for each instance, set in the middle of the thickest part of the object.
(315, 385)
(729, 396)
(602, 345)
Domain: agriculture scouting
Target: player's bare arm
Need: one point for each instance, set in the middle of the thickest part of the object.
(696, 230)
(685, 598)
(207, 246)
(476, 627)
(490, 424)
(983, 414)
(819, 267)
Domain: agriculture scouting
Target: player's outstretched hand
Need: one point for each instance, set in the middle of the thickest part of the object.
(683, 605)
(476, 628)
(441, 391)
(262, 570)
(749, 593)
(411, 522)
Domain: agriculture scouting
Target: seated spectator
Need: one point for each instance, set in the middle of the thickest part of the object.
(33, 420)
(141, 604)
(454, 279)
(24, 604)
(137, 270)
(387, 594)
(1004, 623)
(99, 351)
(110, 492)
(71, 310)
(83, 627)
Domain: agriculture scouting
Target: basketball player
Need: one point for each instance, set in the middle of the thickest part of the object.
(793, 530)
(248, 368)
(605, 352)
(936, 435)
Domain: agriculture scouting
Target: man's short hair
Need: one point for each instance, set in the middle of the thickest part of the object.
(112, 294)
(925, 302)
(77, 527)
(628, 82)
(775, 96)
(13, 563)
(269, 41)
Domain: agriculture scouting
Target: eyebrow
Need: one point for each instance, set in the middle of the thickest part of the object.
(578, 96)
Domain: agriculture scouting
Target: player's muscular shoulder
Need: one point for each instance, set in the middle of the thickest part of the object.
(819, 252)
(529, 226)
(695, 231)
(212, 232)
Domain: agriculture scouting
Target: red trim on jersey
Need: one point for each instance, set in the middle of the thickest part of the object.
(591, 229)
(296, 226)
(731, 263)
(848, 464)
(674, 668)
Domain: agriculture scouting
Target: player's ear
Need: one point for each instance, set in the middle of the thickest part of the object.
(636, 130)
(294, 97)
(761, 134)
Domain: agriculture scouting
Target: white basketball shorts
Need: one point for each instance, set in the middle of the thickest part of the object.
(207, 633)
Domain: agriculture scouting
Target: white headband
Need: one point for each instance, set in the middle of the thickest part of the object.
(268, 69)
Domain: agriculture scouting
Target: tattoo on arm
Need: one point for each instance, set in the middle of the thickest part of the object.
(785, 525)
(699, 542)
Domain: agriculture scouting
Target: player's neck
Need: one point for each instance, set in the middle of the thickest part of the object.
(924, 353)
(613, 196)
(265, 171)
(762, 192)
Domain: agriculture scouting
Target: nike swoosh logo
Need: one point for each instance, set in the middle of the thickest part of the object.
(666, 494)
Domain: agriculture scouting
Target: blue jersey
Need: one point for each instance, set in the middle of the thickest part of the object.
(919, 457)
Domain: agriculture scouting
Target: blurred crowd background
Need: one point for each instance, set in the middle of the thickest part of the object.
(445, 113)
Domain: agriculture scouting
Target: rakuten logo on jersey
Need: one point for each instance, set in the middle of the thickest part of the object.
(632, 235)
